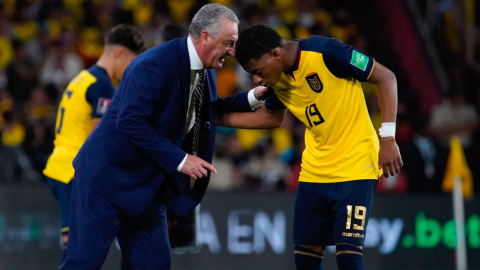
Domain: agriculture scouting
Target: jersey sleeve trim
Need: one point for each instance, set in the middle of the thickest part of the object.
(344, 61)
(272, 102)
(371, 71)
(99, 96)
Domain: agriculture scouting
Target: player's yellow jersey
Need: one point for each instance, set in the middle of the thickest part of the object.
(87, 97)
(324, 92)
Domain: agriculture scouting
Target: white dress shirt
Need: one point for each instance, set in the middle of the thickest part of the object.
(195, 66)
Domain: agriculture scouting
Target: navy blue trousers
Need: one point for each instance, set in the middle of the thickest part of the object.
(95, 222)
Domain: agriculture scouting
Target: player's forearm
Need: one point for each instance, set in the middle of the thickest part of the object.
(387, 92)
(95, 123)
(387, 99)
(260, 119)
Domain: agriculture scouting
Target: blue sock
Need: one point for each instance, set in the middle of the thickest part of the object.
(349, 257)
(307, 259)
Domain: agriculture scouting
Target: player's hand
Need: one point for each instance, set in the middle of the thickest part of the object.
(389, 157)
(260, 92)
(196, 167)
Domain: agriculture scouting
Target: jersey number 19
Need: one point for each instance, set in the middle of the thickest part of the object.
(311, 111)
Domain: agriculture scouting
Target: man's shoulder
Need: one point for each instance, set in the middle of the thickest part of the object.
(164, 58)
(80, 83)
(167, 50)
(316, 44)
(96, 72)
(99, 80)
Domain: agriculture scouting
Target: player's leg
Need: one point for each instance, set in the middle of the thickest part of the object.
(63, 194)
(144, 239)
(313, 226)
(308, 257)
(353, 203)
(349, 256)
(93, 226)
(65, 201)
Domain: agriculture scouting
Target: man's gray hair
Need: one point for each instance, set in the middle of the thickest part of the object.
(210, 18)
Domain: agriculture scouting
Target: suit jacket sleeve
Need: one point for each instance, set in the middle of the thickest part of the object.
(237, 103)
(142, 86)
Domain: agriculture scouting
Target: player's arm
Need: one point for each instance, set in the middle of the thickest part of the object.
(389, 156)
(271, 116)
(99, 95)
(241, 102)
(260, 119)
(95, 122)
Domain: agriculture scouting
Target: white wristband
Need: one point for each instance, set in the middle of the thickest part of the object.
(253, 101)
(387, 129)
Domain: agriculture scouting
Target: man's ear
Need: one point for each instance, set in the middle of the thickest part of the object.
(204, 35)
(118, 52)
(276, 54)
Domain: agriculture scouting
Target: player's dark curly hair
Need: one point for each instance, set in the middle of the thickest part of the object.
(256, 41)
(128, 36)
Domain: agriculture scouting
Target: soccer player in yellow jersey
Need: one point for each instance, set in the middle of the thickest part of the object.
(318, 80)
(82, 106)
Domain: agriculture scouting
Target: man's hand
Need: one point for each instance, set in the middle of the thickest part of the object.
(195, 167)
(389, 156)
(260, 92)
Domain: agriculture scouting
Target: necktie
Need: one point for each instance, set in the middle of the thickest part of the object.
(197, 105)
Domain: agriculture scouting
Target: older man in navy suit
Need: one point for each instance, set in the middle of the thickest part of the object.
(153, 147)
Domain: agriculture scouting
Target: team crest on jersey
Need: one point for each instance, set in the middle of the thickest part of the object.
(102, 105)
(314, 82)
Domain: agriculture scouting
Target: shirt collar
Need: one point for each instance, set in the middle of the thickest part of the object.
(297, 58)
(195, 62)
(95, 66)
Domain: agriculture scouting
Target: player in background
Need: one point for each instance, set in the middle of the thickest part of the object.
(83, 104)
(318, 80)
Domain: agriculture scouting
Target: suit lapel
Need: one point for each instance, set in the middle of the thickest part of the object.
(185, 76)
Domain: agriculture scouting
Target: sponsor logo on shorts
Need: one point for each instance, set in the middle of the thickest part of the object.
(356, 235)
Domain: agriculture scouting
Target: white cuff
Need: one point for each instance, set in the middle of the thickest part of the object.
(180, 166)
(254, 103)
(387, 129)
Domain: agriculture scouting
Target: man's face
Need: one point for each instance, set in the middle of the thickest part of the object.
(265, 71)
(220, 47)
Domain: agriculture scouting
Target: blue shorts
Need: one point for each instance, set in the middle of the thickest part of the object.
(329, 213)
(63, 194)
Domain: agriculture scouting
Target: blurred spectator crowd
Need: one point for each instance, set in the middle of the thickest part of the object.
(45, 43)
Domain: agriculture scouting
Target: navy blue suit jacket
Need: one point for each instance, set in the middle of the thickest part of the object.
(133, 153)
